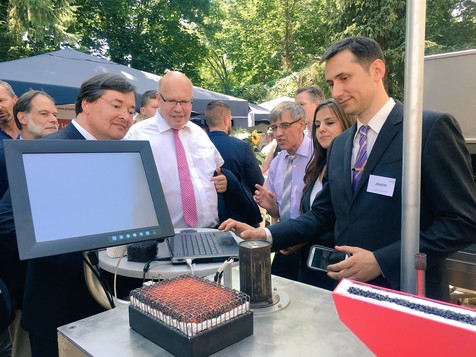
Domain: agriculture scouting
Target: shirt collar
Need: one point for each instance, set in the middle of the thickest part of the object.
(303, 149)
(377, 121)
(7, 136)
(163, 126)
(87, 135)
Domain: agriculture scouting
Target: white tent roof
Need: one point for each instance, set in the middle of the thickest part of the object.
(272, 103)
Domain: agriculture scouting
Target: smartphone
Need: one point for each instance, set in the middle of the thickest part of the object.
(320, 257)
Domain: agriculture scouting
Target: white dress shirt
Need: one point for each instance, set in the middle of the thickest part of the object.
(315, 190)
(87, 135)
(202, 157)
(375, 125)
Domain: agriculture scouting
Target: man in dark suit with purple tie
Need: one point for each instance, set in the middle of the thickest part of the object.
(367, 222)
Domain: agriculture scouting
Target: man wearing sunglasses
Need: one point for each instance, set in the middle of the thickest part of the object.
(284, 184)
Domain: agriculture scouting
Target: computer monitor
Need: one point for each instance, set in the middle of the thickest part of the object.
(78, 195)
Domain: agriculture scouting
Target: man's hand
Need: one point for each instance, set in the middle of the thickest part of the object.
(360, 266)
(292, 249)
(267, 200)
(243, 230)
(220, 181)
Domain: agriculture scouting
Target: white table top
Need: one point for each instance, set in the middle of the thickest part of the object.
(163, 268)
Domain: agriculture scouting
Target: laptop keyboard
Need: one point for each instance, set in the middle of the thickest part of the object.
(202, 243)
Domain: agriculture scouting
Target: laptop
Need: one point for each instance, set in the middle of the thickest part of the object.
(202, 247)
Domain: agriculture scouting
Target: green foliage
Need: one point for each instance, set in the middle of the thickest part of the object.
(259, 41)
(384, 21)
(277, 44)
(311, 75)
(459, 31)
(255, 93)
(32, 27)
(254, 49)
(5, 37)
(150, 35)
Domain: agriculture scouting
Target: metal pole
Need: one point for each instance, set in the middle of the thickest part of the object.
(413, 99)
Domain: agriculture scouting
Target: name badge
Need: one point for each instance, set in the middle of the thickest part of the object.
(381, 185)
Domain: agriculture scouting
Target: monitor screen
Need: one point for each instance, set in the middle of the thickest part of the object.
(78, 195)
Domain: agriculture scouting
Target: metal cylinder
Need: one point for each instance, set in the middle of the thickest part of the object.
(255, 271)
(420, 266)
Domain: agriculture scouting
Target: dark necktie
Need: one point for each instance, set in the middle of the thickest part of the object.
(361, 158)
(186, 187)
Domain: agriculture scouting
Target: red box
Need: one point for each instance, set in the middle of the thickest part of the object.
(390, 329)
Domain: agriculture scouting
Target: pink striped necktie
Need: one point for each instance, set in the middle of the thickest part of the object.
(186, 187)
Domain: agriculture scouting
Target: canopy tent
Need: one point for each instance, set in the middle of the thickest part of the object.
(60, 74)
(269, 105)
(259, 113)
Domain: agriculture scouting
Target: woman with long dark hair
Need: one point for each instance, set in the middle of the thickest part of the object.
(330, 120)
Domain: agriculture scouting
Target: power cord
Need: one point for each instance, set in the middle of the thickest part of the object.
(117, 268)
(219, 274)
(93, 263)
(147, 267)
(190, 264)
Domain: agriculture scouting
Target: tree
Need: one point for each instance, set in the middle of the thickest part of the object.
(5, 37)
(257, 47)
(32, 27)
(248, 48)
(384, 21)
(459, 32)
(151, 35)
(253, 43)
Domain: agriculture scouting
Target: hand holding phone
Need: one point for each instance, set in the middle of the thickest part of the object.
(320, 257)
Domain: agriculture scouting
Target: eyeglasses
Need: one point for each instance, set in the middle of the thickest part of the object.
(120, 108)
(173, 102)
(283, 126)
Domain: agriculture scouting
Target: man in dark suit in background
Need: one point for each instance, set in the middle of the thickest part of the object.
(368, 219)
(35, 116)
(8, 128)
(238, 156)
(240, 167)
(55, 291)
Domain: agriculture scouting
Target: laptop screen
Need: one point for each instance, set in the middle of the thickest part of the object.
(77, 195)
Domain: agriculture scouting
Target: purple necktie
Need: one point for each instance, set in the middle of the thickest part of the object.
(361, 158)
(186, 187)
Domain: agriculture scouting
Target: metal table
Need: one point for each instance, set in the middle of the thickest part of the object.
(308, 326)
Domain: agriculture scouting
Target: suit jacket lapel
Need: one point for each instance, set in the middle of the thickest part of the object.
(72, 132)
(389, 129)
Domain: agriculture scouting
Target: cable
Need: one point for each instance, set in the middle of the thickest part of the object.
(94, 260)
(189, 263)
(221, 268)
(147, 267)
(100, 278)
(115, 271)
